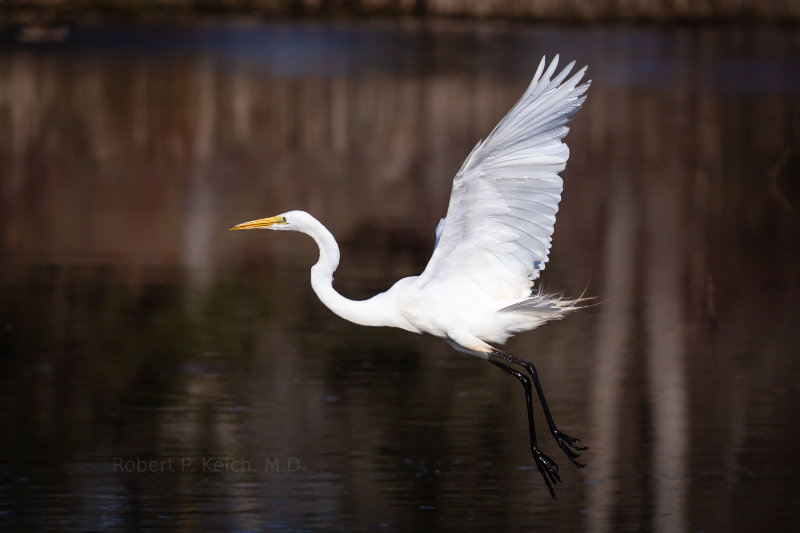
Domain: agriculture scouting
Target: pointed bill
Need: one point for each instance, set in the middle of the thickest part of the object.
(260, 223)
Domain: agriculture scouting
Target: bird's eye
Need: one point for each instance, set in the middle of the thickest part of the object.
(283, 220)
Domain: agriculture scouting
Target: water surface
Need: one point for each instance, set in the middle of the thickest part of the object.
(160, 372)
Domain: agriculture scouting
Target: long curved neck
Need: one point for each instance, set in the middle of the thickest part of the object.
(371, 312)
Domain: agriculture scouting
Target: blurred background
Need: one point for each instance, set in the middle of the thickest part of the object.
(160, 372)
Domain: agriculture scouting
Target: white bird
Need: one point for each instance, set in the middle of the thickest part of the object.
(478, 286)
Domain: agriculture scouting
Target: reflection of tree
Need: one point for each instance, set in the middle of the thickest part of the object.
(615, 329)
(665, 264)
(199, 207)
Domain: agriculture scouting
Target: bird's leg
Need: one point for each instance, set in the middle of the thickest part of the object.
(562, 438)
(547, 467)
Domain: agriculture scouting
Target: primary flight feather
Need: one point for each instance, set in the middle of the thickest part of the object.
(478, 286)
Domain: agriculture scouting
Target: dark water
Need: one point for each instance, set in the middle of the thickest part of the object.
(160, 372)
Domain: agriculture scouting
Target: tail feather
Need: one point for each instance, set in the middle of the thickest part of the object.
(547, 306)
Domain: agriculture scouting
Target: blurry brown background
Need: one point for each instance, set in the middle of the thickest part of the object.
(564, 10)
(135, 325)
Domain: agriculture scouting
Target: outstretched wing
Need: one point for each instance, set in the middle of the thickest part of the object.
(503, 205)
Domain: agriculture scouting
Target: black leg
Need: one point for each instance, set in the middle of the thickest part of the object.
(547, 467)
(562, 438)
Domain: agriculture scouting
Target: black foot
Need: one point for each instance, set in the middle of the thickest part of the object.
(548, 469)
(564, 441)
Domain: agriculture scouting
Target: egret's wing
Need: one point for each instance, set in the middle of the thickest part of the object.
(438, 232)
(505, 196)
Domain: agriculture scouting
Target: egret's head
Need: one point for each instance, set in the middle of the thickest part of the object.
(291, 220)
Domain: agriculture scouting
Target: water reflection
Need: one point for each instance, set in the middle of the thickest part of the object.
(136, 326)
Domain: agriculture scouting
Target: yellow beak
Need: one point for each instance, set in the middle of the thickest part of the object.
(260, 223)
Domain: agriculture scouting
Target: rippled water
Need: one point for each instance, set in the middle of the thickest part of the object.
(160, 372)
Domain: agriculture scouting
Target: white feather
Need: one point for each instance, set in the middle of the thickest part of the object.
(502, 209)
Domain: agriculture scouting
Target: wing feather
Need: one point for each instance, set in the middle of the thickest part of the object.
(499, 223)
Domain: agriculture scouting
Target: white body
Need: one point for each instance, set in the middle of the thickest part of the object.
(469, 318)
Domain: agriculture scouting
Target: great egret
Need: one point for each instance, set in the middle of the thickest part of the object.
(478, 286)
